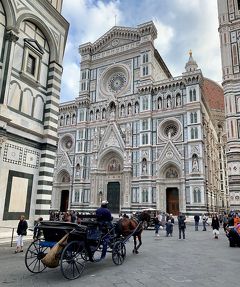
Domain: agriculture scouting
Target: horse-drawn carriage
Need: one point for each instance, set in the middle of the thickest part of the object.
(70, 246)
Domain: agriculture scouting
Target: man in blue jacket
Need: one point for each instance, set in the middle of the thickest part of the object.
(104, 216)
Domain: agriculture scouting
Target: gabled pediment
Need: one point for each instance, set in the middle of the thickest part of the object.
(34, 45)
(64, 163)
(111, 138)
(115, 43)
(169, 153)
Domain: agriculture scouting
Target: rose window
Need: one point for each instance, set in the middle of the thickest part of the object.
(170, 130)
(117, 82)
(66, 142)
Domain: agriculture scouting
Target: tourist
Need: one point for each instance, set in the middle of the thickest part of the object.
(21, 231)
(156, 225)
(204, 221)
(196, 220)
(215, 226)
(169, 228)
(181, 225)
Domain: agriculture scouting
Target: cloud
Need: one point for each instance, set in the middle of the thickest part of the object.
(165, 36)
(181, 25)
(88, 21)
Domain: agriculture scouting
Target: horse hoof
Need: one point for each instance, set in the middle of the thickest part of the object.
(136, 252)
(133, 251)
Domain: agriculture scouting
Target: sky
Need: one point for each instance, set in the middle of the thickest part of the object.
(182, 25)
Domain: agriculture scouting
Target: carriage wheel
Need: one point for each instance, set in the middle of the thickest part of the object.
(118, 253)
(33, 256)
(72, 262)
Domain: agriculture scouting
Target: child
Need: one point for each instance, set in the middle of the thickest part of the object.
(169, 228)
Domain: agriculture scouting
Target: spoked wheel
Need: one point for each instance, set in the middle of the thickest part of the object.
(33, 256)
(72, 262)
(118, 253)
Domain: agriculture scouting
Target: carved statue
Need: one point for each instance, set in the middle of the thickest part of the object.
(144, 166)
(169, 102)
(195, 165)
(178, 100)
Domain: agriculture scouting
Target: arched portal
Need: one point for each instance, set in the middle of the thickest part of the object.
(113, 196)
(171, 189)
(172, 200)
(111, 178)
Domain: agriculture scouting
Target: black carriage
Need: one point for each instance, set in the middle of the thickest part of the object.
(70, 246)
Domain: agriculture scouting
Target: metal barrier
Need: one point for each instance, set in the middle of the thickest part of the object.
(12, 228)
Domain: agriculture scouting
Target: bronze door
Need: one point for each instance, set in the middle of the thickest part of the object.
(172, 201)
(64, 200)
(113, 196)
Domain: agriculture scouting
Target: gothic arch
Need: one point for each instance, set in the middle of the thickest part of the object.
(63, 176)
(45, 30)
(107, 155)
(165, 168)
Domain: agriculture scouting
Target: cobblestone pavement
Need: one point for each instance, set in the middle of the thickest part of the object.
(196, 261)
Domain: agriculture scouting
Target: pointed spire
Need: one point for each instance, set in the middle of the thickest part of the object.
(191, 65)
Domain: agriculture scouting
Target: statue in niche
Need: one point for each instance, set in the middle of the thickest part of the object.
(195, 165)
(178, 100)
(112, 113)
(169, 102)
(136, 108)
(171, 173)
(78, 169)
(129, 109)
(144, 166)
(91, 116)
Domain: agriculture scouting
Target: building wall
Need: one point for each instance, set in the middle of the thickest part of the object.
(229, 32)
(136, 125)
(32, 37)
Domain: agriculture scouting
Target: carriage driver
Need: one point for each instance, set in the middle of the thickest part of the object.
(104, 216)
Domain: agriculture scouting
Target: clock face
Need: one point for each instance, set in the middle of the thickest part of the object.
(117, 82)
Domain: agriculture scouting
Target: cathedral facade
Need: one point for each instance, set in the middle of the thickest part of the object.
(32, 41)
(136, 135)
(229, 31)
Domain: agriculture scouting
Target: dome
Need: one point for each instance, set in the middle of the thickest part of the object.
(213, 94)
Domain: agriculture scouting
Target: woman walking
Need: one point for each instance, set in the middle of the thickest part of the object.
(215, 226)
(21, 231)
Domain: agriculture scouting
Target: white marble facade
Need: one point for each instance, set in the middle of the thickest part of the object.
(32, 40)
(229, 32)
(135, 135)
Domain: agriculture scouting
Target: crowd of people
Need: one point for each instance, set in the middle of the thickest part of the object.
(162, 221)
(225, 220)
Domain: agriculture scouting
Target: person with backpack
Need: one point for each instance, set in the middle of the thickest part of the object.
(181, 225)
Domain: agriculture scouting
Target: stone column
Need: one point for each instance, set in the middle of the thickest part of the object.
(11, 39)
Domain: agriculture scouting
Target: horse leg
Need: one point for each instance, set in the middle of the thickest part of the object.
(139, 244)
(135, 243)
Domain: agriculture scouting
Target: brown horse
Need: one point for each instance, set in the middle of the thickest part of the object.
(126, 227)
